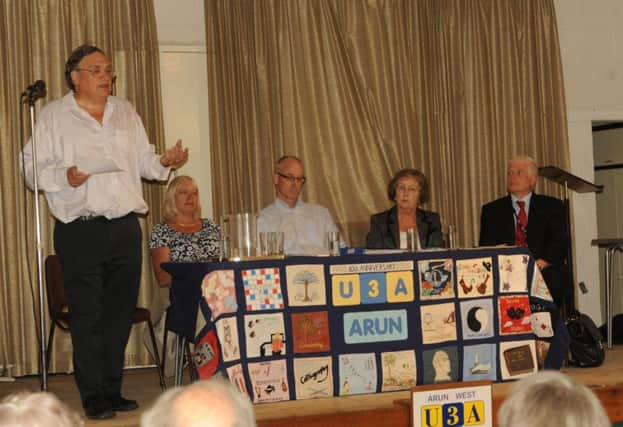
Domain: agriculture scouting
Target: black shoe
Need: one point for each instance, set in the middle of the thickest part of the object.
(118, 403)
(98, 409)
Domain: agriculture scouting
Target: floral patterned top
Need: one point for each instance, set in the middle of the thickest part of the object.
(188, 247)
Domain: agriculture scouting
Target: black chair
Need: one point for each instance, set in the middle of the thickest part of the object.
(60, 316)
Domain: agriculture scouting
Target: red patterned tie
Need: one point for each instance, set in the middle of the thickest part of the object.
(521, 227)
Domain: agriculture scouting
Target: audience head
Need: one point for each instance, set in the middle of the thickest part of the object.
(182, 198)
(289, 178)
(41, 409)
(408, 188)
(550, 398)
(208, 403)
(521, 175)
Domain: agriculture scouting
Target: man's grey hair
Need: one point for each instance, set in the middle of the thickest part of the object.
(550, 398)
(534, 168)
(207, 403)
(40, 409)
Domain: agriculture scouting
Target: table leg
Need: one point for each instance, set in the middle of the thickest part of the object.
(616, 248)
(609, 288)
(179, 359)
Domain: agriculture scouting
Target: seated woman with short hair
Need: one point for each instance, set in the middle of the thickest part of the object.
(408, 189)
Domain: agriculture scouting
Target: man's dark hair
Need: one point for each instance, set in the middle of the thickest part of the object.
(75, 58)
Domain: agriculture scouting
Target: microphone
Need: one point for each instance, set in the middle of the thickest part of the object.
(34, 91)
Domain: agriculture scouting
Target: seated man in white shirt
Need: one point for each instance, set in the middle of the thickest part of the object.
(305, 225)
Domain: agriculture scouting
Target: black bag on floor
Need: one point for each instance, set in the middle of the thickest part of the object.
(586, 349)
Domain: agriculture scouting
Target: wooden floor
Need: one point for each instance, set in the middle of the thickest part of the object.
(376, 409)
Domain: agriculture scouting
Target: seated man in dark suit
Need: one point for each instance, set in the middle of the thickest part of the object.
(524, 218)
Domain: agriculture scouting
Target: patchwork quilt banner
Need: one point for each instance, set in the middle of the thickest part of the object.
(309, 327)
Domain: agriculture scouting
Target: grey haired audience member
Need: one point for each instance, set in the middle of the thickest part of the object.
(40, 409)
(551, 398)
(208, 403)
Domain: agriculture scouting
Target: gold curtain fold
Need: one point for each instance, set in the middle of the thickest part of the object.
(359, 89)
(36, 37)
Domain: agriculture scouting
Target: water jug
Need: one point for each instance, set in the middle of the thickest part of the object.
(239, 236)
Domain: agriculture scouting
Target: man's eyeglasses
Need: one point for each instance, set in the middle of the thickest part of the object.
(98, 72)
(292, 179)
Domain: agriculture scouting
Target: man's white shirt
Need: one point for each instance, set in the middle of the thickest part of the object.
(65, 132)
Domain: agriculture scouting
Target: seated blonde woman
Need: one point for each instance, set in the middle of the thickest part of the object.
(182, 236)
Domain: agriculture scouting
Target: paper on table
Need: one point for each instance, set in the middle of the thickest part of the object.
(384, 251)
(97, 164)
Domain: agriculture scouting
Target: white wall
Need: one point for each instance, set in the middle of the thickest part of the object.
(180, 22)
(608, 151)
(183, 72)
(590, 40)
(608, 147)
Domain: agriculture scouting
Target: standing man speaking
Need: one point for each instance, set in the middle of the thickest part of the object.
(97, 234)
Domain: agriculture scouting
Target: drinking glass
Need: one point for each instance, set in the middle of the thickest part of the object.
(277, 243)
(333, 243)
(225, 248)
(448, 238)
(265, 243)
(412, 240)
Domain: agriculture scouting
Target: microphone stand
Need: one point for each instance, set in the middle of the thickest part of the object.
(31, 97)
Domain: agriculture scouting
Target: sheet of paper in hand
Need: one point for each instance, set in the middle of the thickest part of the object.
(95, 164)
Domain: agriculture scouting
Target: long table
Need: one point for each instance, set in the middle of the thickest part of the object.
(306, 327)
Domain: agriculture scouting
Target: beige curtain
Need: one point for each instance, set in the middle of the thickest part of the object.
(36, 37)
(359, 89)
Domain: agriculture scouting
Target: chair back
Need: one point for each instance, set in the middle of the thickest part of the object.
(57, 304)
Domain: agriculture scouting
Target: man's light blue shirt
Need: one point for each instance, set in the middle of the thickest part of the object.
(305, 226)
